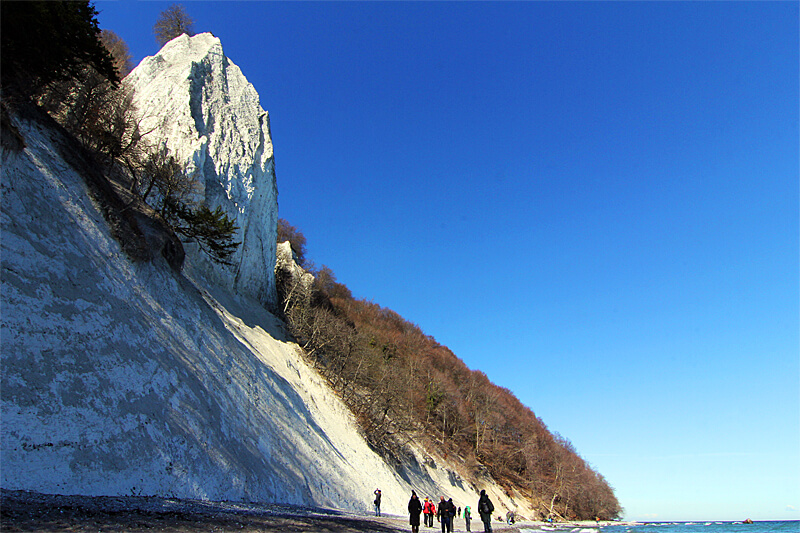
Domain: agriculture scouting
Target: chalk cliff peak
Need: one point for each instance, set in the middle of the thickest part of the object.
(198, 103)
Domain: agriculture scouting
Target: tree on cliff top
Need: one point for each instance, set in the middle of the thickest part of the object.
(171, 23)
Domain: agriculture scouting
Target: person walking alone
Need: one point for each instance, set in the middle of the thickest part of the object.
(467, 516)
(377, 502)
(485, 509)
(414, 509)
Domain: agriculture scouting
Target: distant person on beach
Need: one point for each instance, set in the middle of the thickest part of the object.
(414, 509)
(467, 516)
(377, 502)
(485, 509)
(510, 517)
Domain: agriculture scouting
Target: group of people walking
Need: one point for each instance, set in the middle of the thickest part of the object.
(446, 511)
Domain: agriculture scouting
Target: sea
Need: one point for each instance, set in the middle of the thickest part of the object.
(792, 526)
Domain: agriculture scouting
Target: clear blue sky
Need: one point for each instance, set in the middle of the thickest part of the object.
(594, 203)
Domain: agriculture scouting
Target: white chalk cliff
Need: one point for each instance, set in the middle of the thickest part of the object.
(122, 377)
(198, 103)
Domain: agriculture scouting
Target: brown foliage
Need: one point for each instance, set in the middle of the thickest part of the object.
(326, 284)
(118, 49)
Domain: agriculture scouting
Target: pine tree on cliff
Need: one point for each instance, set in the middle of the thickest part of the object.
(43, 42)
(212, 230)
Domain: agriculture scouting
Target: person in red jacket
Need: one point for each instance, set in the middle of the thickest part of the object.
(427, 512)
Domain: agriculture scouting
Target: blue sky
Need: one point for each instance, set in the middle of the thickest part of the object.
(594, 203)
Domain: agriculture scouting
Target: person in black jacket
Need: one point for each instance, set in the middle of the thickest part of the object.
(446, 512)
(485, 509)
(414, 509)
(377, 502)
(451, 514)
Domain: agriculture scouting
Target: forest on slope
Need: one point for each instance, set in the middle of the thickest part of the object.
(403, 386)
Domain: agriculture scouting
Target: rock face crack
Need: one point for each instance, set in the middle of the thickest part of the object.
(197, 81)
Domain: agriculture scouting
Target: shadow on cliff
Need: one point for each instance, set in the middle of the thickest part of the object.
(235, 410)
(121, 375)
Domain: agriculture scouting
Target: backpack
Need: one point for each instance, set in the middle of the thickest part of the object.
(485, 506)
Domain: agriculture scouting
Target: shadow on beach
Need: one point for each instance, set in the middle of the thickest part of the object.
(27, 511)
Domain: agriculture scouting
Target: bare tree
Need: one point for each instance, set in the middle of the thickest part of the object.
(101, 116)
(171, 23)
(119, 52)
(325, 281)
